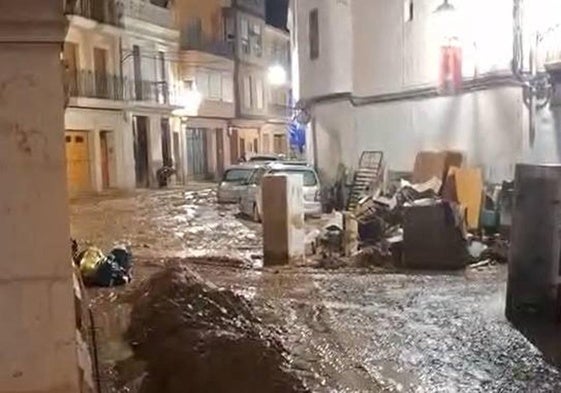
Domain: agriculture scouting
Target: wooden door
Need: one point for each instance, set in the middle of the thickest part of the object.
(104, 146)
(141, 158)
(197, 164)
(234, 147)
(77, 161)
(219, 152)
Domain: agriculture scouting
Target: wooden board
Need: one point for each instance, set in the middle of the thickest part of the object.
(466, 186)
(435, 164)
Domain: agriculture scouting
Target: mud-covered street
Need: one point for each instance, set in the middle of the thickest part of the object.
(347, 330)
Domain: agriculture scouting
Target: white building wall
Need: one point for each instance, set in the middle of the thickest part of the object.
(332, 71)
(392, 54)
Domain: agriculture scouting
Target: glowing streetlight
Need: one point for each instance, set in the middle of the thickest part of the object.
(189, 100)
(276, 75)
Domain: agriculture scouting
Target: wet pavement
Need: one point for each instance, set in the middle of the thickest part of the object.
(348, 330)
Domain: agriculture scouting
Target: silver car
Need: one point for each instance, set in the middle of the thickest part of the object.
(250, 201)
(234, 181)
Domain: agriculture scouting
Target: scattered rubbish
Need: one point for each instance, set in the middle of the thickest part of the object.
(163, 174)
(435, 164)
(476, 248)
(98, 269)
(484, 263)
(331, 241)
(506, 207)
(378, 256)
(196, 337)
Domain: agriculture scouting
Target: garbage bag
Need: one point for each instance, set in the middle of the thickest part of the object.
(98, 269)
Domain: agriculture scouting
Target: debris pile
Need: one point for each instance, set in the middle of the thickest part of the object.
(431, 222)
(195, 337)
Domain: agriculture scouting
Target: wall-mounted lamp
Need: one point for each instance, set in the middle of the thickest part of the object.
(276, 75)
(445, 7)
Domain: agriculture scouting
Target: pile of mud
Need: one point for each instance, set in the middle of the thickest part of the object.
(195, 337)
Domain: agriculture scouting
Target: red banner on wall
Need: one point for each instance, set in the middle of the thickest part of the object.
(450, 80)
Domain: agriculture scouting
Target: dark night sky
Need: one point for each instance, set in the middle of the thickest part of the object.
(277, 12)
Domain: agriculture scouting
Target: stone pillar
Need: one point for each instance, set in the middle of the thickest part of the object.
(37, 332)
(283, 219)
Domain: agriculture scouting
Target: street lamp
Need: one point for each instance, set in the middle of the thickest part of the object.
(190, 100)
(445, 7)
(276, 75)
(447, 22)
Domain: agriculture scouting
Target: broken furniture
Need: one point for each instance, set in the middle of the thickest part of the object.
(465, 186)
(432, 238)
(366, 178)
(430, 164)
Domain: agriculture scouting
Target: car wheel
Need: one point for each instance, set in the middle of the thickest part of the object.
(256, 215)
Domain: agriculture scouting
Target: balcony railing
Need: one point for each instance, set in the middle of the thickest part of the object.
(207, 45)
(149, 91)
(281, 111)
(103, 11)
(90, 84)
(145, 11)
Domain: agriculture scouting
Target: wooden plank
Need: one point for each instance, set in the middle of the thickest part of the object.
(468, 184)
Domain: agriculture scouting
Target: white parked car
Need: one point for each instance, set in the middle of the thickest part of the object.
(234, 181)
(250, 201)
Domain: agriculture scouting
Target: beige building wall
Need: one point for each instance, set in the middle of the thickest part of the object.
(208, 11)
(37, 335)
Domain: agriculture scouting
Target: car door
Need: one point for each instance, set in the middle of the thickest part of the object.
(254, 190)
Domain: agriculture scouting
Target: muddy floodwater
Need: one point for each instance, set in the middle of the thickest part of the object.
(347, 330)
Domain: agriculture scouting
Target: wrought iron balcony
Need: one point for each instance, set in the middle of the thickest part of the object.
(103, 11)
(90, 84)
(207, 45)
(149, 91)
(146, 11)
(280, 111)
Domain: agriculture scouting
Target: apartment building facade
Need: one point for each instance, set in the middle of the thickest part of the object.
(206, 71)
(121, 87)
(260, 119)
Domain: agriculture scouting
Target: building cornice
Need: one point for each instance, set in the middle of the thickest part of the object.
(34, 21)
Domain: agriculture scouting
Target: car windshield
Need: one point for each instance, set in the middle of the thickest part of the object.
(310, 179)
(237, 175)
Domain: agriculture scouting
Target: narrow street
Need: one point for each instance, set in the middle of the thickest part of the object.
(348, 330)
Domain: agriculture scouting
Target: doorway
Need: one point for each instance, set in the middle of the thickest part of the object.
(77, 161)
(197, 165)
(219, 152)
(177, 158)
(234, 147)
(166, 143)
(106, 147)
(140, 131)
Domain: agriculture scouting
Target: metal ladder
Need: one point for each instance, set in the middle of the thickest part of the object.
(366, 177)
